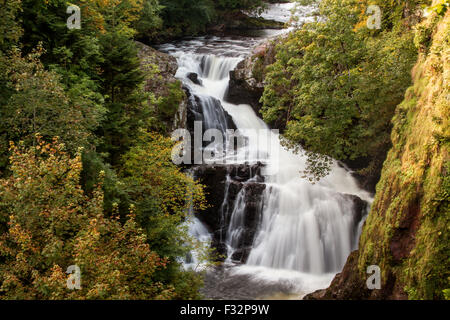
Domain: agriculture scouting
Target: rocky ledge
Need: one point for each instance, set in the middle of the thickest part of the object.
(159, 70)
(247, 80)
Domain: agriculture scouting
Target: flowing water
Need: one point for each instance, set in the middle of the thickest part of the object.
(306, 230)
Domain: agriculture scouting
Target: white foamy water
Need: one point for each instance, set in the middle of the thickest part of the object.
(289, 12)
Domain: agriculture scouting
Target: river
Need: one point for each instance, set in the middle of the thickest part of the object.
(305, 231)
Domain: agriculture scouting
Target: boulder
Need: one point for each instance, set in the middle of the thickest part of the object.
(247, 79)
(194, 78)
(230, 180)
(243, 87)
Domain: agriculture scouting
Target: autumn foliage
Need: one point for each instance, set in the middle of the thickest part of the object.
(52, 224)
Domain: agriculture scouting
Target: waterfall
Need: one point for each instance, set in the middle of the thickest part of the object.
(305, 228)
(217, 68)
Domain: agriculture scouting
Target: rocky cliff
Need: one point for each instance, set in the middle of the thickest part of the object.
(167, 93)
(407, 231)
(247, 80)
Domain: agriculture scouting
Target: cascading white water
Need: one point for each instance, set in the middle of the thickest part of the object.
(305, 228)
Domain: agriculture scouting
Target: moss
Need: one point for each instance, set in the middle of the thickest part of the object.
(168, 105)
(424, 35)
(258, 70)
(446, 293)
(416, 172)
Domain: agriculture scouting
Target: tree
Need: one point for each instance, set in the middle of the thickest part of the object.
(10, 29)
(335, 86)
(102, 16)
(149, 24)
(185, 17)
(122, 82)
(162, 195)
(55, 225)
(34, 102)
(240, 4)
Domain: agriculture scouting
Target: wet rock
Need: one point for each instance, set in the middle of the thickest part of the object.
(240, 255)
(196, 107)
(359, 207)
(245, 172)
(367, 179)
(233, 190)
(194, 78)
(360, 211)
(214, 178)
(251, 218)
(242, 178)
(220, 249)
(243, 87)
(253, 192)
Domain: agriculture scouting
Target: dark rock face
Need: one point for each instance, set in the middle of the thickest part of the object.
(369, 178)
(194, 78)
(236, 20)
(227, 184)
(252, 217)
(243, 87)
(196, 112)
(214, 179)
(201, 110)
(360, 210)
(223, 185)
